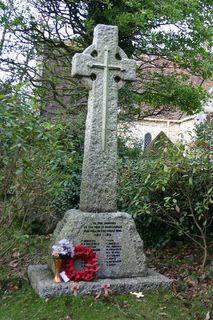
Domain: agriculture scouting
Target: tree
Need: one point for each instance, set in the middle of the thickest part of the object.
(170, 40)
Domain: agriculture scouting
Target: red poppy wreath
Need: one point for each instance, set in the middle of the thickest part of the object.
(89, 272)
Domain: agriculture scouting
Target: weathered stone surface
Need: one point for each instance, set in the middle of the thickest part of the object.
(104, 68)
(112, 235)
(41, 280)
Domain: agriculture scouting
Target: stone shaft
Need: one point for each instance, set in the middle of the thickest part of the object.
(99, 172)
(104, 68)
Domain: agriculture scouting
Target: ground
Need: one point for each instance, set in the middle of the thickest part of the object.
(189, 298)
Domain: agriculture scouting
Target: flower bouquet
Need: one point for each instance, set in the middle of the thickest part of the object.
(63, 250)
(60, 251)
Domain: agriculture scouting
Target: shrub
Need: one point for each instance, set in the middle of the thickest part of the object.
(38, 164)
(170, 195)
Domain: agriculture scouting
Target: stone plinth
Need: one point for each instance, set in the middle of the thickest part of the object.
(112, 235)
(41, 280)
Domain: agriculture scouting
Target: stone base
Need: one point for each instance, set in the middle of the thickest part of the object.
(112, 235)
(41, 280)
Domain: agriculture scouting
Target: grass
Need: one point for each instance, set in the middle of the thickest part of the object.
(156, 305)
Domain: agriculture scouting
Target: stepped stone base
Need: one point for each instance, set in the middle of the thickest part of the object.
(41, 280)
(114, 237)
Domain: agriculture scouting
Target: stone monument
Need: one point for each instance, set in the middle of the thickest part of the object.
(104, 68)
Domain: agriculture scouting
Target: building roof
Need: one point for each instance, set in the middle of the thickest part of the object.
(148, 112)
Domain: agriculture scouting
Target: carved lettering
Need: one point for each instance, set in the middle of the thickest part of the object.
(110, 231)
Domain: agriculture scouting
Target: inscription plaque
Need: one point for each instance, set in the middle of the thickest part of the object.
(112, 236)
(110, 250)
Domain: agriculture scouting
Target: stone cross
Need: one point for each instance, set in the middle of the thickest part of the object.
(104, 68)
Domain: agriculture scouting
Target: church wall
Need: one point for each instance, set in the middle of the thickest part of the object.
(180, 130)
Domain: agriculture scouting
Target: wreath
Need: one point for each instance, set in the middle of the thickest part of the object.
(89, 272)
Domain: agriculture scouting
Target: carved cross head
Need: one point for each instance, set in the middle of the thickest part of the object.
(103, 60)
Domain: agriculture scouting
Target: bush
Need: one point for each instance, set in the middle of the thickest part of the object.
(170, 195)
(38, 165)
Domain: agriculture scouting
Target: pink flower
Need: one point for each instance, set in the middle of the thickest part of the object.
(105, 286)
(55, 254)
(75, 289)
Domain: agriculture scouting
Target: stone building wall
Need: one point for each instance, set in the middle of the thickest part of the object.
(176, 130)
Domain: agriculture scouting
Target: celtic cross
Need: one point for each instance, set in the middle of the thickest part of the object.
(104, 68)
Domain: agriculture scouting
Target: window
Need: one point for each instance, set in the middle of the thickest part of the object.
(147, 140)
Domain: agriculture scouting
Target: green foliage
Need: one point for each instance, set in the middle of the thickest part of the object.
(172, 91)
(204, 136)
(175, 38)
(38, 164)
(174, 188)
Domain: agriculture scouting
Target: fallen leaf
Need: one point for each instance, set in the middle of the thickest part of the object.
(12, 287)
(191, 282)
(163, 308)
(208, 316)
(125, 304)
(13, 263)
(16, 254)
(177, 209)
(98, 296)
(137, 294)
(163, 314)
